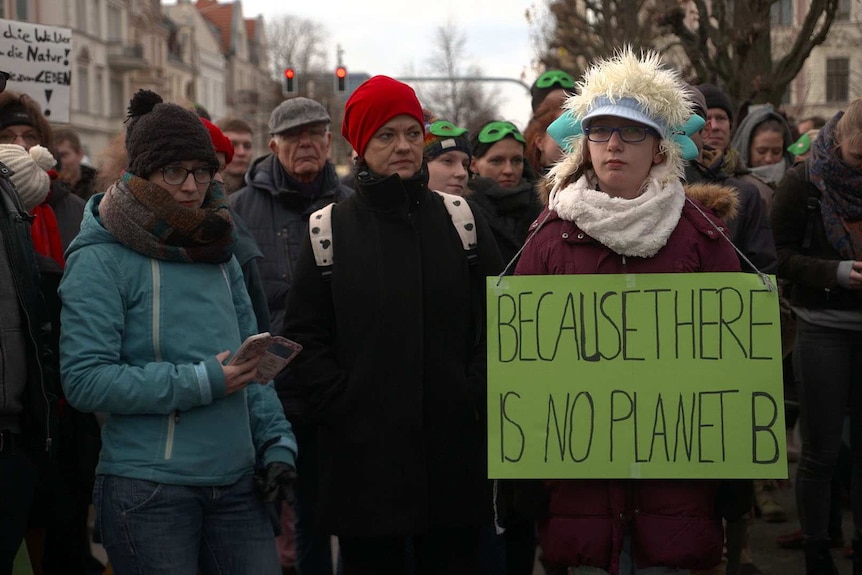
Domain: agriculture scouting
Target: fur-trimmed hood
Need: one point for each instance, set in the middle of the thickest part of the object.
(723, 201)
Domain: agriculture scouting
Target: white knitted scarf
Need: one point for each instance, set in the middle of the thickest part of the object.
(637, 227)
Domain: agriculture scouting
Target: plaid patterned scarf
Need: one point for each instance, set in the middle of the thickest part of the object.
(841, 187)
(146, 218)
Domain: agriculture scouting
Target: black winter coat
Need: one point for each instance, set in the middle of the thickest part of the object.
(509, 212)
(277, 217)
(393, 367)
(812, 269)
(749, 229)
(39, 303)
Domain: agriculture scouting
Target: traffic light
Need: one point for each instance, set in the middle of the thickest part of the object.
(341, 79)
(289, 87)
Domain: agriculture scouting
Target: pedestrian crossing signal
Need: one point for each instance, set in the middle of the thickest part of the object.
(289, 86)
(341, 79)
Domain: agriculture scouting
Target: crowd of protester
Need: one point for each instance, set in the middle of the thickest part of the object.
(132, 280)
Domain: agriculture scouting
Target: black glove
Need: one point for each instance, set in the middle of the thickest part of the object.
(275, 484)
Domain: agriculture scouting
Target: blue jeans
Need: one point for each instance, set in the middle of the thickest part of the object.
(627, 566)
(828, 363)
(157, 528)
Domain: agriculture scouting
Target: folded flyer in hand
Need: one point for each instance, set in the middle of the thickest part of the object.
(277, 353)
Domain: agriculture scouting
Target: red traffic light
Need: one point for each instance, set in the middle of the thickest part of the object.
(341, 72)
(289, 73)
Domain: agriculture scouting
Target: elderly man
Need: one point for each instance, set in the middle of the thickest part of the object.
(283, 189)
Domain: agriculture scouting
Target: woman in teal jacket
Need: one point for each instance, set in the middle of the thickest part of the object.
(153, 303)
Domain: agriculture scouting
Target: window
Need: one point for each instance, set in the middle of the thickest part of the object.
(95, 26)
(117, 98)
(843, 11)
(100, 88)
(115, 24)
(81, 15)
(22, 9)
(83, 89)
(781, 13)
(837, 79)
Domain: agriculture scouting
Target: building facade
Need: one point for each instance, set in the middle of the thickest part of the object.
(179, 51)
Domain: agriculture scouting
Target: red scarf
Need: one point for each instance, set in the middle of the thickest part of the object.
(46, 233)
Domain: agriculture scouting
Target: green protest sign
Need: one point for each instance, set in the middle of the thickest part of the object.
(635, 376)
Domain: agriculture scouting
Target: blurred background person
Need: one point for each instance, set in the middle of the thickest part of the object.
(815, 219)
(551, 82)
(447, 155)
(241, 138)
(502, 186)
(542, 150)
(22, 123)
(762, 139)
(70, 155)
(29, 381)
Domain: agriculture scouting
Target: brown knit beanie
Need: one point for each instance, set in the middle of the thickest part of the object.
(159, 134)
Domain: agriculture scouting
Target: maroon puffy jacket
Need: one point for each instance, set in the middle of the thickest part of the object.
(671, 523)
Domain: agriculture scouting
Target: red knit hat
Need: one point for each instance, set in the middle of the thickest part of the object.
(374, 103)
(221, 142)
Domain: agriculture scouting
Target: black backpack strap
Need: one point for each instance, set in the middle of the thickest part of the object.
(812, 207)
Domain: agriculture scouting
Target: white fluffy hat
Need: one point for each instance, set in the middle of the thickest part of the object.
(638, 88)
(30, 172)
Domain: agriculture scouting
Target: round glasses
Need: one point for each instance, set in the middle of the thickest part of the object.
(496, 131)
(4, 77)
(176, 175)
(628, 134)
(555, 78)
(445, 129)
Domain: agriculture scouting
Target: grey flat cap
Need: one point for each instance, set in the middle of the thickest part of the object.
(296, 112)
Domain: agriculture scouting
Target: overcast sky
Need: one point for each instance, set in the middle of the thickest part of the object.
(396, 38)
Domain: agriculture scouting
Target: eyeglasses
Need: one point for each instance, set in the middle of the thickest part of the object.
(628, 134)
(445, 129)
(30, 137)
(496, 131)
(176, 175)
(4, 77)
(555, 78)
(311, 132)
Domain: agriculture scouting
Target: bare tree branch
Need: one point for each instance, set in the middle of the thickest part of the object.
(462, 103)
(296, 43)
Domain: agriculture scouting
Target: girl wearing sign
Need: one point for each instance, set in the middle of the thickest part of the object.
(616, 205)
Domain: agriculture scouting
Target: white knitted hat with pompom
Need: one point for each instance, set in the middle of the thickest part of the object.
(30, 172)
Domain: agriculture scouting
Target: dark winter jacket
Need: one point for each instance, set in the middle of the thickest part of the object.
(509, 212)
(86, 186)
(813, 271)
(277, 217)
(68, 209)
(671, 523)
(749, 228)
(249, 255)
(33, 413)
(393, 366)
